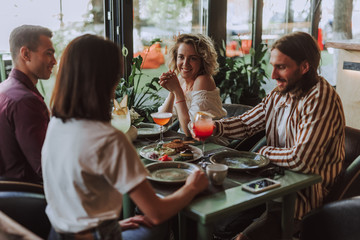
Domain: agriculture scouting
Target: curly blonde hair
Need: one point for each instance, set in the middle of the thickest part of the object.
(204, 48)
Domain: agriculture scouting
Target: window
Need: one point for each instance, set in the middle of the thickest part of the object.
(327, 34)
(66, 18)
(238, 27)
(284, 16)
(152, 19)
(163, 19)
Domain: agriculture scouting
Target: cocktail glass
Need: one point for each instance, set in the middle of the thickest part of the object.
(121, 119)
(203, 127)
(161, 118)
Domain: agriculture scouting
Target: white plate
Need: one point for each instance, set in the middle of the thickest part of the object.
(147, 150)
(149, 130)
(170, 172)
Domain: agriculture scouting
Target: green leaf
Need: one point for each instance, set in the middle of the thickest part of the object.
(152, 42)
(238, 77)
(138, 98)
(137, 62)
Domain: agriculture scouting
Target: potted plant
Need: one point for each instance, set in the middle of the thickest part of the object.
(139, 96)
(241, 78)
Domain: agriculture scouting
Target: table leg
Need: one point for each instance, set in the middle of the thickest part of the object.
(182, 226)
(287, 217)
(204, 232)
(128, 207)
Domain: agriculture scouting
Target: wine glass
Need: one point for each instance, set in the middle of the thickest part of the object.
(203, 127)
(161, 118)
(121, 119)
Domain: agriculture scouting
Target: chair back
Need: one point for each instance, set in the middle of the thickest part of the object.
(11, 184)
(348, 182)
(28, 209)
(334, 221)
(352, 145)
(235, 109)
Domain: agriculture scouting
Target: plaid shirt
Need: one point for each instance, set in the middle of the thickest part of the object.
(314, 139)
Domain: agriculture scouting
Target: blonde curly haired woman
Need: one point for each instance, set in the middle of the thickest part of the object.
(190, 82)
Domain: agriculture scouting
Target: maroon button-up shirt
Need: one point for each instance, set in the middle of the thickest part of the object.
(23, 122)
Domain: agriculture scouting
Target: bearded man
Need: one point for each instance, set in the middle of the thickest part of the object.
(304, 122)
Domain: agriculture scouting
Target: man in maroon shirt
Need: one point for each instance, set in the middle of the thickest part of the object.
(23, 113)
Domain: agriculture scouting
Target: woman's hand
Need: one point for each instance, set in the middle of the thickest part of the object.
(134, 222)
(169, 81)
(198, 181)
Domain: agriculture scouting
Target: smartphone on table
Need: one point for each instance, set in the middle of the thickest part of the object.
(260, 185)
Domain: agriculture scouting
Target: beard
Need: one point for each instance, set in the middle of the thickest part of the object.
(293, 83)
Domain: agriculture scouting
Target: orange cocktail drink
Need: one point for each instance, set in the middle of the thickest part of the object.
(161, 118)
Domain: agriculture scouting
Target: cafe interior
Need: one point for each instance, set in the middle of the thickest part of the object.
(243, 32)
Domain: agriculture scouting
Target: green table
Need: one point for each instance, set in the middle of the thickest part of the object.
(218, 203)
(209, 209)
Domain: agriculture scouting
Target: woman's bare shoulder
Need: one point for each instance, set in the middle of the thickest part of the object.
(204, 82)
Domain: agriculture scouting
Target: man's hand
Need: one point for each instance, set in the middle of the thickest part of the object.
(190, 127)
(134, 222)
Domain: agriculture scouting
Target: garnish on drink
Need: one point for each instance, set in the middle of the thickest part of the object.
(121, 115)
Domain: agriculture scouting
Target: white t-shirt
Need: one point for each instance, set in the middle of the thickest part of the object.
(87, 167)
(284, 113)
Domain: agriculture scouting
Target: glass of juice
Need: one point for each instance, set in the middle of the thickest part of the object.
(203, 127)
(161, 118)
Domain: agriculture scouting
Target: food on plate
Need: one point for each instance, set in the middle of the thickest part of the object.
(152, 155)
(179, 159)
(158, 151)
(167, 151)
(178, 149)
(187, 154)
(178, 144)
(165, 158)
(162, 150)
